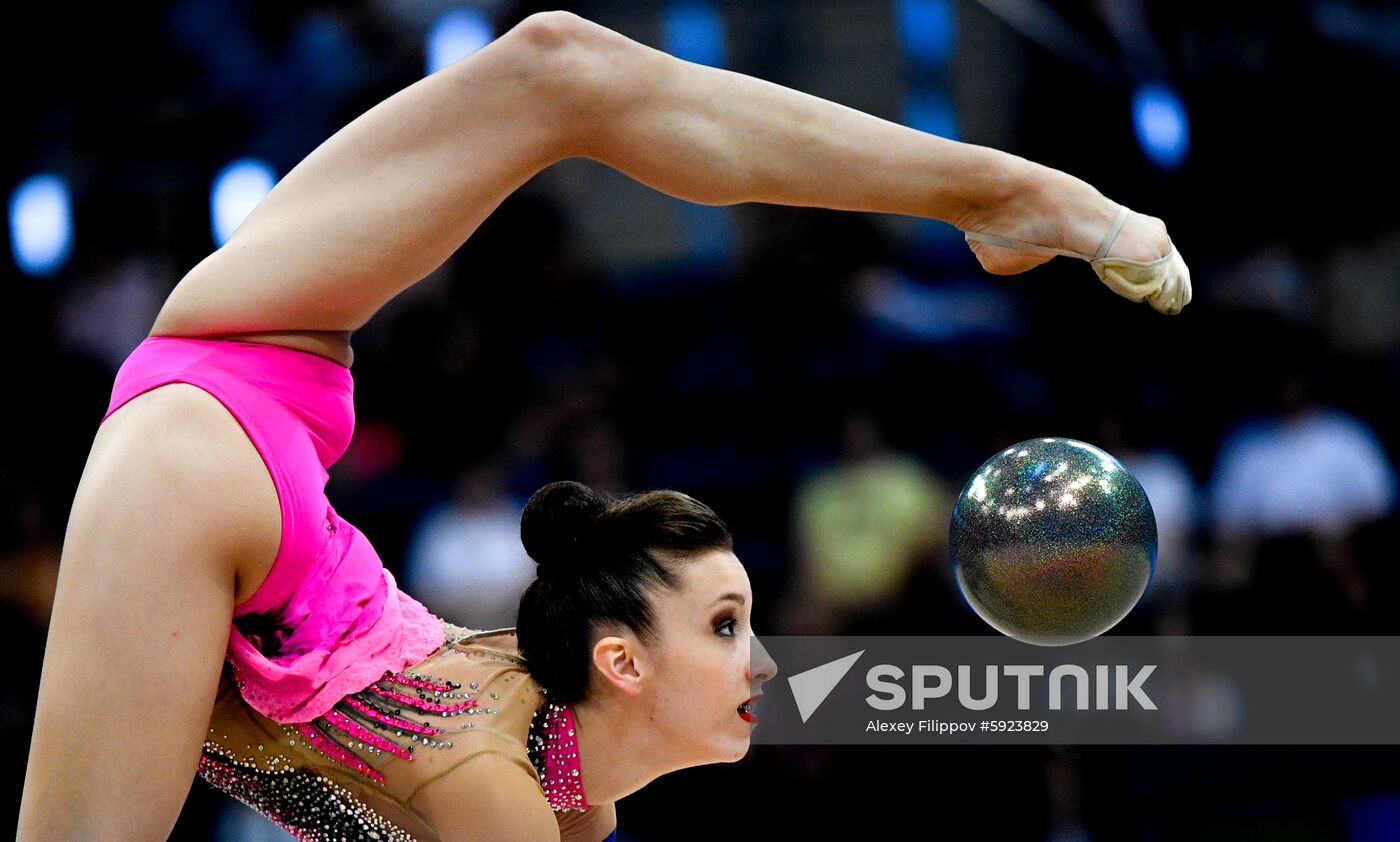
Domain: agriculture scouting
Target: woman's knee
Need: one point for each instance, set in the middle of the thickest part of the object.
(582, 71)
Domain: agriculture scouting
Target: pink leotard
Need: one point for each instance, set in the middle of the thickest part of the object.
(329, 619)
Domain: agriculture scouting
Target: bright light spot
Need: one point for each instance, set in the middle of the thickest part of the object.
(1159, 119)
(926, 28)
(979, 489)
(41, 224)
(694, 31)
(237, 190)
(1103, 483)
(457, 34)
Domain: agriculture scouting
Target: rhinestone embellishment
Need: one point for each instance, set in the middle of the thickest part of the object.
(373, 721)
(553, 749)
(306, 804)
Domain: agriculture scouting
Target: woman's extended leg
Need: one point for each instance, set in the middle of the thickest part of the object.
(389, 197)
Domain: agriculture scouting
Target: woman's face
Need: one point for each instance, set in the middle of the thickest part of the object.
(703, 669)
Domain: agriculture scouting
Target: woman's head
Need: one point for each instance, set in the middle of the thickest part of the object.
(643, 595)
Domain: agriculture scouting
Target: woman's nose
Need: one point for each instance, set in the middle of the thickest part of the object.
(761, 666)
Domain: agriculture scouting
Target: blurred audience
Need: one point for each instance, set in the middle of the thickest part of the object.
(859, 528)
(465, 561)
(1290, 488)
(1313, 469)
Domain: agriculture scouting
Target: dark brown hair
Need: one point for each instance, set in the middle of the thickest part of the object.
(598, 561)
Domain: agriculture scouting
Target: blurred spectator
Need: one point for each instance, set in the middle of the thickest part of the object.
(465, 561)
(860, 527)
(1315, 469)
(1287, 494)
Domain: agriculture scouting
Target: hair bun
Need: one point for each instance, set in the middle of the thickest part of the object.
(559, 522)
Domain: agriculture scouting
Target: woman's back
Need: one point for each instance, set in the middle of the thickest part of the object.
(367, 764)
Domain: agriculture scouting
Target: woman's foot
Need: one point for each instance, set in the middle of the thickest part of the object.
(1051, 213)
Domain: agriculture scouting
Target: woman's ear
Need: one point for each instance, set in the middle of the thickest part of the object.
(620, 662)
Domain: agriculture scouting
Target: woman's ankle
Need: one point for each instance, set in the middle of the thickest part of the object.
(1086, 216)
(997, 187)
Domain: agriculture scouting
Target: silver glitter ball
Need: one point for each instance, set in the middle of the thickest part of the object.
(1053, 541)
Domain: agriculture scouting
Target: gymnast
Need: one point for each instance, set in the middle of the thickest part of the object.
(216, 617)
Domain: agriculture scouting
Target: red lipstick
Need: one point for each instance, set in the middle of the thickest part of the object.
(746, 710)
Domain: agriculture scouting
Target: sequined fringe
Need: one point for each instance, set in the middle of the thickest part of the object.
(374, 720)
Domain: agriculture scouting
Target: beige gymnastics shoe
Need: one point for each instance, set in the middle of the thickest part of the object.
(1164, 283)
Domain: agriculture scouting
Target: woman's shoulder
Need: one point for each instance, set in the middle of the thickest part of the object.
(485, 665)
(502, 639)
(485, 645)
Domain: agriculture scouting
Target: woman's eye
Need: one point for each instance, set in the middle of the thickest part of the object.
(727, 624)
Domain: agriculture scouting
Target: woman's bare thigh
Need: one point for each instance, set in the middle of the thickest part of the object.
(174, 505)
(236, 470)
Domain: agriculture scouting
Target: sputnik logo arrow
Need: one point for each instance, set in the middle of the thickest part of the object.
(810, 688)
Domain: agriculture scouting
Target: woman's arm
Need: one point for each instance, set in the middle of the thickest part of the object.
(389, 197)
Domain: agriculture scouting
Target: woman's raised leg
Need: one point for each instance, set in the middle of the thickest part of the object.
(718, 137)
(388, 198)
